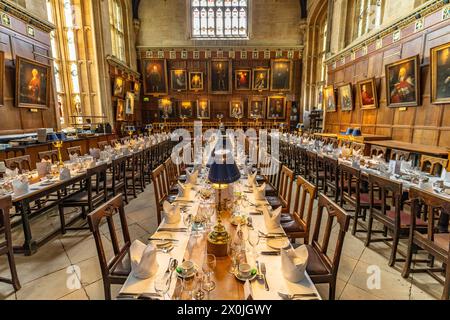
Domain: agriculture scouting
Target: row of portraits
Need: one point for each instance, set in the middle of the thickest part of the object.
(220, 80)
(402, 83)
(271, 108)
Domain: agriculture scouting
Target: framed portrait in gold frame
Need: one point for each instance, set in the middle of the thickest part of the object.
(276, 108)
(243, 79)
(119, 87)
(32, 84)
(155, 77)
(329, 98)
(236, 109)
(196, 81)
(203, 109)
(440, 74)
(346, 97)
(178, 80)
(186, 109)
(367, 94)
(403, 83)
(220, 76)
(120, 111)
(261, 79)
(281, 75)
(257, 107)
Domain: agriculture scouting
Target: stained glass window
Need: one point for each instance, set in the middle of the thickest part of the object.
(212, 19)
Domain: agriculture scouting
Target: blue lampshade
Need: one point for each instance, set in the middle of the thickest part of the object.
(223, 172)
(356, 132)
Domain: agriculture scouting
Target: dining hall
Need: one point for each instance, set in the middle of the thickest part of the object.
(224, 150)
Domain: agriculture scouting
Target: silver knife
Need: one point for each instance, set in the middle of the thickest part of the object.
(263, 271)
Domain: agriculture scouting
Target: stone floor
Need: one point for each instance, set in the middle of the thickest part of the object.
(67, 267)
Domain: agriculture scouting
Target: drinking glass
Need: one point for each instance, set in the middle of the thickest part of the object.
(198, 293)
(209, 264)
(188, 220)
(253, 239)
(162, 286)
(233, 252)
(189, 286)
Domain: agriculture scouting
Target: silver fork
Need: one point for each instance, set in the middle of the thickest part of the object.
(286, 296)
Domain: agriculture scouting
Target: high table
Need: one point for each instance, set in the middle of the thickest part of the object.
(413, 147)
(193, 248)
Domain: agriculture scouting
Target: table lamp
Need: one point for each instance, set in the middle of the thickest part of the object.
(221, 174)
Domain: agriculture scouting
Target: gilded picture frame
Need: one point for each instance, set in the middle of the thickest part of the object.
(281, 75)
(440, 74)
(329, 98)
(276, 108)
(203, 109)
(261, 79)
(367, 94)
(257, 107)
(345, 94)
(220, 76)
(243, 79)
(155, 77)
(178, 80)
(196, 81)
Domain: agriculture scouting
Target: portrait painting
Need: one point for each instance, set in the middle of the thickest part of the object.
(256, 107)
(32, 84)
(346, 97)
(129, 103)
(119, 87)
(186, 109)
(120, 112)
(220, 76)
(329, 98)
(196, 81)
(236, 109)
(178, 80)
(281, 75)
(166, 109)
(367, 92)
(203, 109)
(2, 77)
(242, 79)
(155, 77)
(137, 88)
(276, 108)
(403, 83)
(261, 78)
(440, 74)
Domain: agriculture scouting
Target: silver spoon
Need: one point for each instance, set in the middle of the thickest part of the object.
(173, 266)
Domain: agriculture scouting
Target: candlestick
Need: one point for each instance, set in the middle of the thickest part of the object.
(58, 145)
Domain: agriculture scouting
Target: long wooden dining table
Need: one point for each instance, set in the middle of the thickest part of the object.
(193, 248)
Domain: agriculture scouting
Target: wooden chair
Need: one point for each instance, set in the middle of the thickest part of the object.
(51, 155)
(171, 176)
(356, 146)
(113, 142)
(400, 155)
(6, 247)
(71, 151)
(331, 177)
(283, 198)
(134, 173)
(392, 216)
(21, 163)
(161, 189)
(91, 195)
(314, 170)
(436, 244)
(432, 165)
(272, 176)
(377, 151)
(116, 180)
(321, 267)
(102, 144)
(298, 224)
(117, 269)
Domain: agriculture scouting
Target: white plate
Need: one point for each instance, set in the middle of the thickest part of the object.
(242, 278)
(278, 243)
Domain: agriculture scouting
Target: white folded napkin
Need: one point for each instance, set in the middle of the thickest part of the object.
(260, 192)
(20, 186)
(191, 177)
(272, 220)
(11, 173)
(293, 263)
(64, 174)
(143, 260)
(251, 180)
(43, 168)
(406, 165)
(172, 212)
(445, 175)
(95, 153)
(184, 190)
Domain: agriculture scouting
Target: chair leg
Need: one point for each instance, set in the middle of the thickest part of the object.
(332, 292)
(407, 266)
(446, 293)
(62, 219)
(394, 248)
(12, 267)
(355, 222)
(369, 230)
(107, 289)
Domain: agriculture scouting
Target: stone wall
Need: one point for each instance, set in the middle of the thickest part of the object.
(165, 24)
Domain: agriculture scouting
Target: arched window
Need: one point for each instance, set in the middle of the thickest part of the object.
(117, 29)
(366, 16)
(219, 19)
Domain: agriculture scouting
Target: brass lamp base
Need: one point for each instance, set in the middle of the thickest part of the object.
(218, 241)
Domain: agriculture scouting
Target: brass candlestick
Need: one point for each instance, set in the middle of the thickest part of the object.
(58, 145)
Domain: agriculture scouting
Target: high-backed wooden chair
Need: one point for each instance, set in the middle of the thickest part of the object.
(102, 144)
(436, 244)
(6, 247)
(51, 155)
(161, 189)
(134, 173)
(314, 171)
(400, 155)
(117, 269)
(432, 165)
(299, 223)
(391, 216)
(283, 198)
(271, 174)
(331, 177)
(321, 267)
(356, 146)
(171, 176)
(116, 181)
(113, 142)
(91, 195)
(377, 151)
(71, 151)
(21, 163)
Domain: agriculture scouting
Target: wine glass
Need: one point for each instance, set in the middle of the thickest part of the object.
(189, 286)
(188, 220)
(198, 293)
(233, 252)
(209, 264)
(162, 286)
(253, 239)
